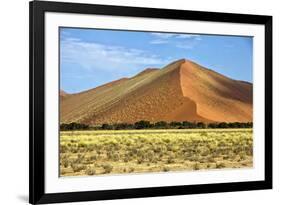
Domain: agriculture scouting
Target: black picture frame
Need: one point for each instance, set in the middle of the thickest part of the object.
(37, 194)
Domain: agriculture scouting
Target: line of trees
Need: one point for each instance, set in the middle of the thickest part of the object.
(74, 126)
(158, 125)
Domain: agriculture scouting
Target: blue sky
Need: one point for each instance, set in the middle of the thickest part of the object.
(91, 57)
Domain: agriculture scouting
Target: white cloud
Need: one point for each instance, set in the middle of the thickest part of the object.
(164, 35)
(184, 41)
(185, 46)
(188, 36)
(175, 35)
(91, 56)
(159, 41)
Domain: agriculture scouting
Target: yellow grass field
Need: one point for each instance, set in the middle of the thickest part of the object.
(138, 151)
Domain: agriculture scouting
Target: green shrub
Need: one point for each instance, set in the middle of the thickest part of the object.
(142, 124)
(65, 163)
(73, 126)
(140, 160)
(170, 160)
(166, 169)
(196, 166)
(220, 165)
(161, 124)
(90, 171)
(63, 149)
(62, 172)
(93, 157)
(131, 169)
(107, 168)
(77, 167)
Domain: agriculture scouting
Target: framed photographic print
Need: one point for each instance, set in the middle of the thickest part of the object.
(140, 102)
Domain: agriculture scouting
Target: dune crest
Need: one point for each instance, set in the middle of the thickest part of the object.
(181, 91)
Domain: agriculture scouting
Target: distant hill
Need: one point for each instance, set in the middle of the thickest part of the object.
(180, 91)
(63, 94)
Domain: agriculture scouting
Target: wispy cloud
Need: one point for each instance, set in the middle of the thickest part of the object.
(184, 46)
(184, 41)
(189, 36)
(92, 55)
(159, 41)
(164, 35)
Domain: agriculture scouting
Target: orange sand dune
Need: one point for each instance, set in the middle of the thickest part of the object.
(63, 95)
(218, 98)
(181, 91)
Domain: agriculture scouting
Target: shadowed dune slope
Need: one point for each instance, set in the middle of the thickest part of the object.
(217, 97)
(181, 91)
